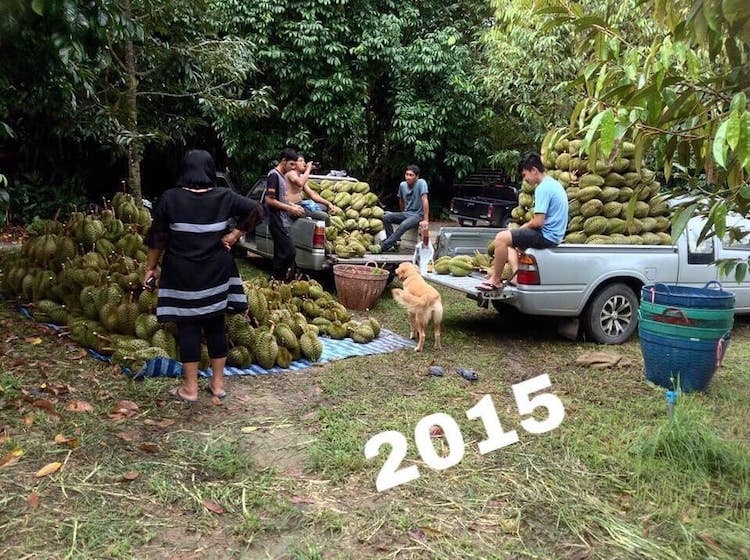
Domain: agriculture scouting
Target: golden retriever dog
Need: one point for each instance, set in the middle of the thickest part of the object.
(422, 302)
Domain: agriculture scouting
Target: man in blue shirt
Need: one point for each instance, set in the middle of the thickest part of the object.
(546, 229)
(414, 205)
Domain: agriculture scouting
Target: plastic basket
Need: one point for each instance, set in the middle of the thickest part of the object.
(691, 361)
(359, 286)
(682, 329)
(687, 296)
(711, 318)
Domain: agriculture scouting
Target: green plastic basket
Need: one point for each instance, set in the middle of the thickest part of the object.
(689, 317)
(680, 330)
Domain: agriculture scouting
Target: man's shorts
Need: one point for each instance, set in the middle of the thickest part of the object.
(528, 238)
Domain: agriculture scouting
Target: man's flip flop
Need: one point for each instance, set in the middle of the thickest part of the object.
(487, 287)
(222, 395)
(468, 374)
(176, 395)
(436, 371)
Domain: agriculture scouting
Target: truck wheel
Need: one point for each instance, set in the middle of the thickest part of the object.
(612, 316)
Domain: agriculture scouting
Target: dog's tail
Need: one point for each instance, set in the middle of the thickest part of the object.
(437, 313)
(411, 302)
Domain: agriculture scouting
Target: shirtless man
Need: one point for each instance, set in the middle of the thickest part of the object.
(297, 180)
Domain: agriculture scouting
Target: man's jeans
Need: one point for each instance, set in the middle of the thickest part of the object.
(405, 221)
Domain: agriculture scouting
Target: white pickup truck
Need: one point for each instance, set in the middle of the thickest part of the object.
(599, 285)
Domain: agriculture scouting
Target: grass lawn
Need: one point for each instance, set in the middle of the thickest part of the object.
(279, 471)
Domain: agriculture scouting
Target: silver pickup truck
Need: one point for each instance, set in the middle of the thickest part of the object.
(309, 239)
(599, 285)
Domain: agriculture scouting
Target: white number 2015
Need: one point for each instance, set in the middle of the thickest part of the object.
(392, 475)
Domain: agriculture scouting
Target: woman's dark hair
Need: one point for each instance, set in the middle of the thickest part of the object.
(530, 161)
(197, 170)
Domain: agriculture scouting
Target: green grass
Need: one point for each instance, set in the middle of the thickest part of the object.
(615, 480)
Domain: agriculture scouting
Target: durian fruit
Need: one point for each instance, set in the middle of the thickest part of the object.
(311, 346)
(266, 349)
(239, 356)
(362, 333)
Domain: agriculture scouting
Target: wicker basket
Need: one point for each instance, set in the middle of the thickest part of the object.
(359, 286)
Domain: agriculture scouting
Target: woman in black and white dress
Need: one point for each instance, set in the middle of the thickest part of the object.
(199, 282)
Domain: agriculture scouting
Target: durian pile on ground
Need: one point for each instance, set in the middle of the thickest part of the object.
(352, 230)
(284, 322)
(609, 201)
(87, 274)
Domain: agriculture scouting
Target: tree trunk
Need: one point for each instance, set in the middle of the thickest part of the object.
(135, 148)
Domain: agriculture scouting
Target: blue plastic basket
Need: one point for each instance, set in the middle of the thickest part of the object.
(692, 361)
(686, 296)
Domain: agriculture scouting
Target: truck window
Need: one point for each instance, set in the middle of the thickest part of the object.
(699, 253)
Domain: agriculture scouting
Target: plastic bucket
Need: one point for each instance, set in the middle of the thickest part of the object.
(680, 329)
(707, 318)
(691, 361)
(686, 296)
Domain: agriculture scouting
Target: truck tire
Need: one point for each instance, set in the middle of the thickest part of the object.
(612, 316)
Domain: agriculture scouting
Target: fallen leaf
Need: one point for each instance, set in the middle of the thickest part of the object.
(79, 354)
(4, 435)
(149, 447)
(34, 340)
(56, 390)
(296, 472)
(48, 469)
(213, 506)
(710, 542)
(216, 401)
(11, 458)
(126, 408)
(132, 475)
(72, 442)
(29, 419)
(125, 436)
(436, 431)
(309, 416)
(302, 500)
(249, 429)
(44, 404)
(318, 391)
(159, 423)
(33, 500)
(79, 406)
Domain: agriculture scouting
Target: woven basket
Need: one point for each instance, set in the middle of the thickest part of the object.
(359, 286)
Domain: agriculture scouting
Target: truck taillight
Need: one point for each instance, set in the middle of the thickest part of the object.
(528, 272)
(319, 236)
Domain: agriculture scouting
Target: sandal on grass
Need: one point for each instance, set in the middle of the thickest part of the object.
(468, 374)
(176, 395)
(220, 395)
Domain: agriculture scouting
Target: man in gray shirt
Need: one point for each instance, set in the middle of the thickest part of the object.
(414, 205)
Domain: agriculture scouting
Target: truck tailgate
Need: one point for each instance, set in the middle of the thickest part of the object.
(468, 285)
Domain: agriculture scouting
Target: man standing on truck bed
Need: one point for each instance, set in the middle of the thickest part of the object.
(545, 230)
(280, 215)
(414, 205)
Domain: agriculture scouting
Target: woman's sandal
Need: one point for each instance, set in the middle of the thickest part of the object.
(222, 395)
(176, 395)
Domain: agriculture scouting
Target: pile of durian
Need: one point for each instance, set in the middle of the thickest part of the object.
(86, 275)
(610, 201)
(353, 228)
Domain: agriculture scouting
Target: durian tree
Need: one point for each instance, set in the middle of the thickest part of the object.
(118, 75)
(684, 92)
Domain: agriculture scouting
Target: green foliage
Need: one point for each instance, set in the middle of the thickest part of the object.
(362, 85)
(35, 198)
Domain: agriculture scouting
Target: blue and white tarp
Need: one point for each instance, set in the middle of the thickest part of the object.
(385, 343)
